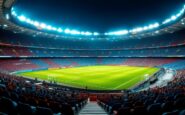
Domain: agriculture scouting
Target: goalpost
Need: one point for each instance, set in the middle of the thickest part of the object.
(51, 78)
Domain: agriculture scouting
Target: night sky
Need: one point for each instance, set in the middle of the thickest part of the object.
(99, 15)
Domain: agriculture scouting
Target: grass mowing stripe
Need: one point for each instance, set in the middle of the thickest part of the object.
(136, 78)
(96, 77)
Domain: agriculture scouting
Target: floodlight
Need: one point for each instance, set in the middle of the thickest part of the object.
(13, 13)
(36, 23)
(82, 33)
(59, 30)
(74, 32)
(7, 16)
(49, 27)
(88, 33)
(22, 18)
(166, 21)
(42, 25)
(95, 33)
(156, 25)
(151, 26)
(67, 31)
(173, 18)
(54, 29)
(139, 29)
(29, 21)
(145, 28)
(5, 25)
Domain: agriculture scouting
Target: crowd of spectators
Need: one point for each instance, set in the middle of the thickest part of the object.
(168, 100)
(23, 96)
(168, 40)
(12, 65)
(12, 51)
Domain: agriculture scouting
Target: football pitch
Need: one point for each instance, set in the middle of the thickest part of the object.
(96, 77)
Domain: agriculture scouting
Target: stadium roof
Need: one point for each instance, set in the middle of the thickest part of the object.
(99, 15)
(103, 19)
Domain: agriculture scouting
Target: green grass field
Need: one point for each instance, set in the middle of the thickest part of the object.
(96, 77)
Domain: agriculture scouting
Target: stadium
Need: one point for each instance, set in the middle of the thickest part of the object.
(87, 57)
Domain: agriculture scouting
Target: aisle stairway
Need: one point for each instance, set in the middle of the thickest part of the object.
(92, 108)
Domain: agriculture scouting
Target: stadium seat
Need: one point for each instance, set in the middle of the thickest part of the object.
(180, 103)
(56, 107)
(14, 96)
(167, 106)
(115, 107)
(148, 102)
(154, 109)
(3, 113)
(43, 111)
(138, 103)
(139, 110)
(179, 96)
(67, 109)
(24, 109)
(182, 112)
(124, 111)
(175, 112)
(7, 106)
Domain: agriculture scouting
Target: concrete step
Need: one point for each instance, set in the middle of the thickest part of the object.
(92, 108)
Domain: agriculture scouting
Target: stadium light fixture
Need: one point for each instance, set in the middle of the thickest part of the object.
(42, 25)
(95, 33)
(156, 25)
(29, 21)
(122, 32)
(5, 25)
(74, 32)
(117, 33)
(88, 33)
(67, 31)
(36, 23)
(54, 28)
(22, 18)
(7, 16)
(174, 17)
(145, 28)
(13, 13)
(60, 30)
(49, 27)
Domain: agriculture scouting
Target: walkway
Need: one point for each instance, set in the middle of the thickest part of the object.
(92, 108)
